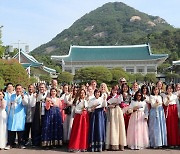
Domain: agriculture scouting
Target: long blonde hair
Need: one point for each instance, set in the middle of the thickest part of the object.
(106, 88)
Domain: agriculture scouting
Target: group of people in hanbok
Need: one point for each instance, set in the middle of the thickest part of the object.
(88, 118)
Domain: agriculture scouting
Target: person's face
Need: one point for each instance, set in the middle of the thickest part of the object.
(135, 86)
(94, 85)
(139, 96)
(42, 88)
(90, 90)
(144, 90)
(114, 92)
(82, 94)
(103, 88)
(18, 90)
(178, 87)
(75, 91)
(53, 92)
(97, 94)
(65, 89)
(156, 91)
(54, 83)
(31, 89)
(159, 85)
(10, 88)
(169, 90)
(125, 88)
(122, 81)
(1, 95)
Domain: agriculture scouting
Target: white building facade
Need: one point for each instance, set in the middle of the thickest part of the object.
(132, 58)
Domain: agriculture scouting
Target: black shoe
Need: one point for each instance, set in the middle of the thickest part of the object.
(22, 147)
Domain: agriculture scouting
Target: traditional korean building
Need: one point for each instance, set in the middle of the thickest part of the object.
(132, 58)
(29, 61)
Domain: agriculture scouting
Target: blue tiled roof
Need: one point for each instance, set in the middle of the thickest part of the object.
(105, 53)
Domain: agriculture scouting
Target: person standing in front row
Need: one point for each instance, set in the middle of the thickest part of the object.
(115, 127)
(30, 108)
(157, 122)
(3, 121)
(137, 132)
(80, 129)
(171, 111)
(52, 126)
(16, 117)
(39, 115)
(97, 130)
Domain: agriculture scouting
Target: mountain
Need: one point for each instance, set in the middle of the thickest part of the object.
(112, 24)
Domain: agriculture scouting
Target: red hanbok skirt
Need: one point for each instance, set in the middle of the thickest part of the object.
(171, 113)
(79, 132)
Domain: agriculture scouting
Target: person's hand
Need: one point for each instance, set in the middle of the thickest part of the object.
(35, 95)
(111, 106)
(22, 95)
(135, 108)
(146, 119)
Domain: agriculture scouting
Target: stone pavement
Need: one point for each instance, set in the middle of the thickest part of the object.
(64, 151)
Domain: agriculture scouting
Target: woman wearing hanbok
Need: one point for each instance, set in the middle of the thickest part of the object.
(52, 126)
(177, 93)
(3, 122)
(145, 93)
(157, 121)
(135, 88)
(137, 133)
(171, 111)
(126, 100)
(115, 130)
(64, 97)
(104, 90)
(97, 129)
(161, 87)
(80, 129)
(69, 111)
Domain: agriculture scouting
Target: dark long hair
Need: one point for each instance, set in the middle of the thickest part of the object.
(147, 89)
(135, 96)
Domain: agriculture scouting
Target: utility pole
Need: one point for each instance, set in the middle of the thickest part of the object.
(19, 56)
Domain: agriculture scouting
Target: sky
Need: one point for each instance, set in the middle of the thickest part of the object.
(35, 22)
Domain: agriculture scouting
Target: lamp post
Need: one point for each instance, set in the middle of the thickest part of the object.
(18, 43)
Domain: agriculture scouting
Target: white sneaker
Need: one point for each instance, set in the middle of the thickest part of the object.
(7, 147)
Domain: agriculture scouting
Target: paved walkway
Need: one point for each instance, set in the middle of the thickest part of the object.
(64, 151)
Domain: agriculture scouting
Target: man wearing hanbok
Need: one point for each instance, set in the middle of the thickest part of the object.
(9, 92)
(30, 109)
(39, 115)
(16, 117)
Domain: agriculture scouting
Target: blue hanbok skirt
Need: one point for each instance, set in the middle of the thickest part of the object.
(52, 128)
(97, 130)
(157, 127)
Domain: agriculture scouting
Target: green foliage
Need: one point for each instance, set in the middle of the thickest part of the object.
(45, 78)
(99, 73)
(163, 67)
(150, 77)
(2, 51)
(12, 54)
(117, 73)
(139, 77)
(1, 83)
(32, 80)
(132, 78)
(65, 77)
(58, 69)
(12, 71)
